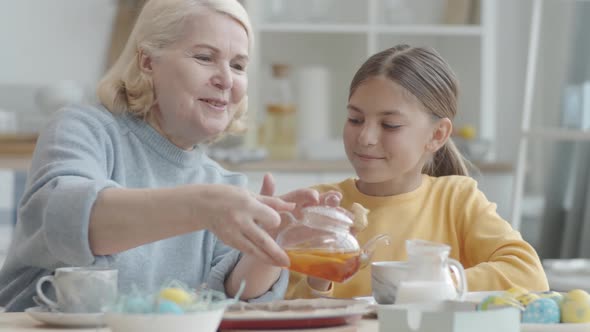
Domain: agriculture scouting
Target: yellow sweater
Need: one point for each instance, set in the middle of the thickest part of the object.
(449, 210)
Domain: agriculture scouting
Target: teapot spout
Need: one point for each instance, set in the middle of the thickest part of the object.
(369, 248)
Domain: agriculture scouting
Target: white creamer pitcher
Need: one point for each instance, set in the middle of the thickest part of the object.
(429, 274)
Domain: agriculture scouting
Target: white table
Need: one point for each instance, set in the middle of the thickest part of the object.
(21, 322)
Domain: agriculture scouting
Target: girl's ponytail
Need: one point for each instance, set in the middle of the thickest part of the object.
(448, 160)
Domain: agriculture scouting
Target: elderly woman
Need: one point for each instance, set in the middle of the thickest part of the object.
(126, 184)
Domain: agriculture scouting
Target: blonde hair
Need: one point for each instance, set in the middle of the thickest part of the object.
(125, 88)
(425, 75)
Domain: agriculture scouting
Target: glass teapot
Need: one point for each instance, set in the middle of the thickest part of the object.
(320, 244)
(429, 274)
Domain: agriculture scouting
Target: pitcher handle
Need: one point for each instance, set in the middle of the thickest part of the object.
(50, 303)
(459, 272)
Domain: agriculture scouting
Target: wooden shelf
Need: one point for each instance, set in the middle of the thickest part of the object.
(12, 161)
(18, 138)
(17, 144)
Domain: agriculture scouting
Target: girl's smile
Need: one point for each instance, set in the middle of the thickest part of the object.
(367, 157)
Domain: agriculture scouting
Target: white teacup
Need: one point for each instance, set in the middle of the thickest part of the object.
(385, 279)
(80, 289)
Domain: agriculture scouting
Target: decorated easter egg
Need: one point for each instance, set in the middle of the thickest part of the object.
(176, 295)
(137, 305)
(498, 301)
(575, 307)
(541, 311)
(169, 307)
(516, 291)
(527, 298)
(555, 296)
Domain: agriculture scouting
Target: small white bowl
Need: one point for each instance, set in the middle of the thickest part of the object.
(202, 321)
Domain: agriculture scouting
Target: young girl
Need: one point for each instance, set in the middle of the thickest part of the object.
(414, 181)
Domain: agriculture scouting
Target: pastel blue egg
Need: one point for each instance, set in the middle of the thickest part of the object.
(169, 307)
(542, 311)
(138, 305)
(555, 296)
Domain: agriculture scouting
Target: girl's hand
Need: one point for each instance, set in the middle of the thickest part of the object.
(301, 197)
(331, 198)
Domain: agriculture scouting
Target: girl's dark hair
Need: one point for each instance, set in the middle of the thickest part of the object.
(425, 74)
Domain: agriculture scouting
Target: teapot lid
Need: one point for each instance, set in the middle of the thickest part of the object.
(329, 212)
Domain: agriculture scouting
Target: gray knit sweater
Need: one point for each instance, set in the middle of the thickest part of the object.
(82, 151)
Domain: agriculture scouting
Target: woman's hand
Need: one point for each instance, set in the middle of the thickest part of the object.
(122, 219)
(243, 220)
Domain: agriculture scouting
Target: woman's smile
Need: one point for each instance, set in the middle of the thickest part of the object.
(219, 105)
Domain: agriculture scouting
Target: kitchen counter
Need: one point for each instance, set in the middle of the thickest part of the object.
(333, 166)
(16, 150)
(22, 161)
(15, 162)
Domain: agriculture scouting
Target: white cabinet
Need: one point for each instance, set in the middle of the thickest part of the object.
(341, 34)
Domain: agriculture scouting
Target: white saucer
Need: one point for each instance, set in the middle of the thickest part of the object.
(66, 319)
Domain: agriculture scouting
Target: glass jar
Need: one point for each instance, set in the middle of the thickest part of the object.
(280, 130)
(280, 126)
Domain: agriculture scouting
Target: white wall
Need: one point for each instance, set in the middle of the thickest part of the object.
(553, 60)
(513, 33)
(44, 41)
(513, 39)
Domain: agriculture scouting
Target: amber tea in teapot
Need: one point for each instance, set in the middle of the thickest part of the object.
(325, 264)
(321, 244)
